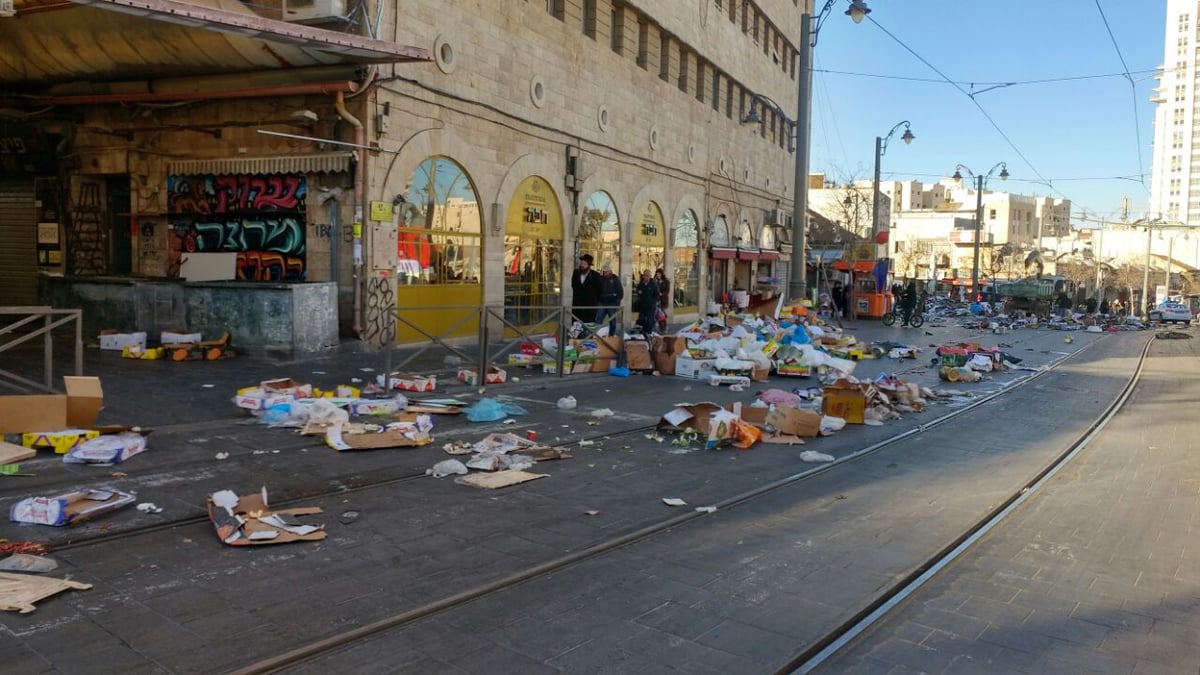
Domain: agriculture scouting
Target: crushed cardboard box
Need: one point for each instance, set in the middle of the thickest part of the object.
(499, 479)
(78, 408)
(407, 434)
(10, 454)
(70, 508)
(19, 592)
(107, 449)
(249, 520)
(790, 421)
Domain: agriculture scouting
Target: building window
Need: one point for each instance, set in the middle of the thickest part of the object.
(733, 11)
(1180, 90)
(557, 9)
(664, 58)
(618, 30)
(683, 70)
(439, 240)
(992, 214)
(643, 46)
(1177, 140)
(729, 99)
(745, 17)
(1176, 163)
(589, 18)
(700, 80)
(716, 91)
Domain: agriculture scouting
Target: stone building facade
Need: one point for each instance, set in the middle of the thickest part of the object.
(464, 154)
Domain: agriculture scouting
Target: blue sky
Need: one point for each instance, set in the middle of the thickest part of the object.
(1065, 130)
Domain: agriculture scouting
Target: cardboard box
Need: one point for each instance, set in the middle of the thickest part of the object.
(248, 520)
(608, 347)
(665, 349)
(142, 353)
(694, 369)
(471, 376)
(637, 355)
(11, 454)
(794, 421)
(257, 398)
(845, 400)
(59, 441)
(603, 365)
(569, 367)
(411, 435)
(525, 360)
(178, 337)
(690, 416)
(117, 341)
(70, 508)
(792, 370)
(77, 409)
(288, 386)
(530, 349)
(750, 414)
(418, 383)
(383, 406)
(107, 449)
(760, 374)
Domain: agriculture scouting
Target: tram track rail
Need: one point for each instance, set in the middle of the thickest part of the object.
(333, 643)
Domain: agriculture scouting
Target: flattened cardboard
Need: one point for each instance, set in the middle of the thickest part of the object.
(10, 453)
(18, 592)
(782, 439)
(499, 479)
(689, 416)
(337, 440)
(794, 422)
(51, 412)
(637, 355)
(252, 522)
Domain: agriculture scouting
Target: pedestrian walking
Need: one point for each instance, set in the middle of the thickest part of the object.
(585, 290)
(835, 295)
(611, 294)
(908, 302)
(647, 303)
(664, 298)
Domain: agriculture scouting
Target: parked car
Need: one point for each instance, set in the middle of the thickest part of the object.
(1171, 312)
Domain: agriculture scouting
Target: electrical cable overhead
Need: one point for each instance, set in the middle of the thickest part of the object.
(833, 121)
(1010, 83)
(971, 96)
(1132, 86)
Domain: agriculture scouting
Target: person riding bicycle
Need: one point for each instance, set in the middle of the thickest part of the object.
(908, 302)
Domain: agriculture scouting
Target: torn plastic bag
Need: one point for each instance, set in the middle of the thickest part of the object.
(491, 410)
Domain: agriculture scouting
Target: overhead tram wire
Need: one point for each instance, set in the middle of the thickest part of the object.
(1132, 87)
(1008, 83)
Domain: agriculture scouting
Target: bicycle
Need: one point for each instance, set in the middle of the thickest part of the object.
(916, 320)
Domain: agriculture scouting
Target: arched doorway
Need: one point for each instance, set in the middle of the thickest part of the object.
(719, 255)
(439, 251)
(686, 273)
(600, 230)
(533, 235)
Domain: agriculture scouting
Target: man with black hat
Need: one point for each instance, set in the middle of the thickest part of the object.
(585, 290)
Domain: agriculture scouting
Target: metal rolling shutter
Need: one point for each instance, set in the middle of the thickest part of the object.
(18, 243)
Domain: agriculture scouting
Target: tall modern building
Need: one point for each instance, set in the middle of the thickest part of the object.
(331, 162)
(1175, 173)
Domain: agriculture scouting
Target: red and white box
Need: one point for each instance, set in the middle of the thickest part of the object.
(494, 376)
(418, 383)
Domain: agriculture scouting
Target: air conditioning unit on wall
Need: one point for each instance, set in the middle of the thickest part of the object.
(7, 9)
(314, 11)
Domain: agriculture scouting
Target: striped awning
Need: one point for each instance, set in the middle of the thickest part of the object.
(326, 162)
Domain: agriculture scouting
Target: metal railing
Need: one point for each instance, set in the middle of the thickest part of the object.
(498, 332)
(28, 324)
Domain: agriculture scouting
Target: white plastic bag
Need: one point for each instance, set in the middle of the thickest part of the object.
(324, 412)
(567, 403)
(447, 467)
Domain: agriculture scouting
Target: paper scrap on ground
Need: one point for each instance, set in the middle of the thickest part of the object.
(706, 509)
(674, 501)
(814, 456)
(19, 592)
(29, 564)
(500, 479)
(149, 507)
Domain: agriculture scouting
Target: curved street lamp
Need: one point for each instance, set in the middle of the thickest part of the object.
(753, 117)
(980, 181)
(809, 31)
(881, 143)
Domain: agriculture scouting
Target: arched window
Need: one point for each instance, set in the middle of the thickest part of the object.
(719, 236)
(439, 237)
(686, 254)
(600, 230)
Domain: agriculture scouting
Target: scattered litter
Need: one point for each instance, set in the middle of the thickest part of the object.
(108, 449)
(207, 386)
(514, 380)
(30, 564)
(356, 380)
(592, 512)
(10, 453)
(452, 360)
(814, 456)
(706, 509)
(404, 434)
(318, 372)
(348, 517)
(872, 422)
(499, 479)
(248, 520)
(602, 412)
(70, 508)
(222, 455)
(447, 467)
(367, 370)
(567, 403)
(29, 547)
(492, 410)
(510, 421)
(674, 501)
(18, 592)
(149, 507)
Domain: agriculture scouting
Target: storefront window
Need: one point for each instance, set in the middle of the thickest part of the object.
(649, 242)
(600, 231)
(718, 268)
(686, 254)
(439, 237)
(532, 253)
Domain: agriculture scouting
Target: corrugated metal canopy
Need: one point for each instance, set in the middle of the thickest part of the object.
(156, 38)
(330, 162)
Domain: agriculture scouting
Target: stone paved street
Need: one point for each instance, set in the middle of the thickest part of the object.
(740, 590)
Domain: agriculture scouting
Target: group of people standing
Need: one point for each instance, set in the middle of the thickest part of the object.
(596, 298)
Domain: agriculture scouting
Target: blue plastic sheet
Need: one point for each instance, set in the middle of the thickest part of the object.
(491, 410)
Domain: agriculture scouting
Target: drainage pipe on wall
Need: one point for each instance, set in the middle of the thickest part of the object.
(360, 139)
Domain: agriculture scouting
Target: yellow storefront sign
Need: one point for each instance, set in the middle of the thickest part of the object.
(533, 211)
(649, 229)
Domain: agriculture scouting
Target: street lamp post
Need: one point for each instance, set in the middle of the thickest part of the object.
(881, 143)
(809, 30)
(980, 181)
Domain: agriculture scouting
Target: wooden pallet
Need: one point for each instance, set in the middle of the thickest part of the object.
(18, 592)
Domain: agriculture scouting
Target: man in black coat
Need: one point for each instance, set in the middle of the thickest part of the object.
(585, 290)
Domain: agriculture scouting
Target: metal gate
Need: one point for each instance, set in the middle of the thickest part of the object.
(18, 243)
